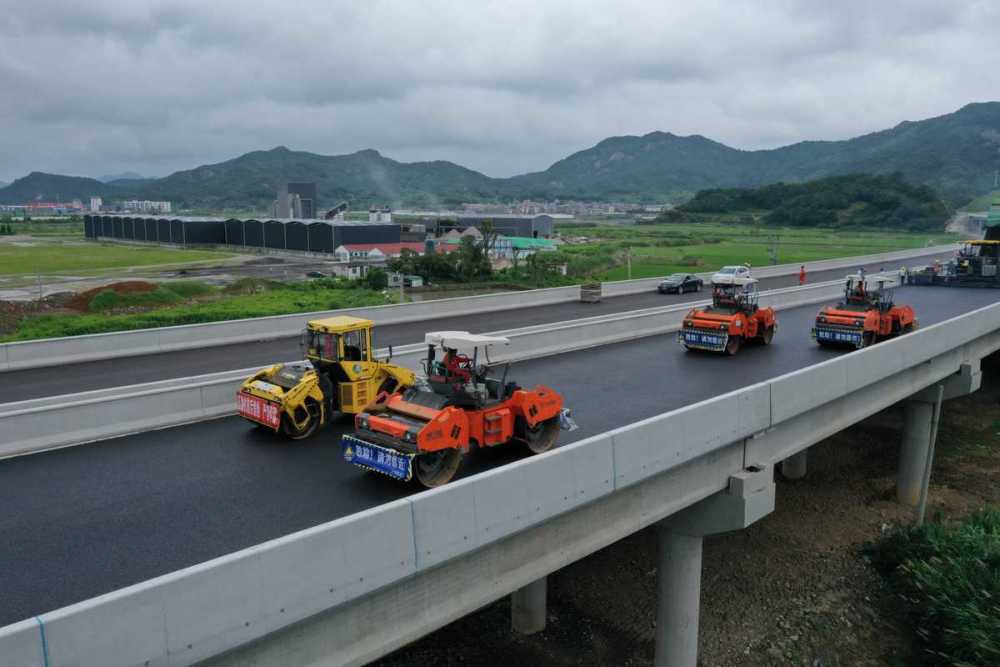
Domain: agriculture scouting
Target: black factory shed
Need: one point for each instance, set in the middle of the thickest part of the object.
(253, 233)
(234, 231)
(203, 231)
(357, 231)
(297, 235)
(321, 236)
(274, 234)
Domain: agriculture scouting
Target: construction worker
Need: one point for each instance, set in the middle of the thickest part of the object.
(802, 275)
(902, 275)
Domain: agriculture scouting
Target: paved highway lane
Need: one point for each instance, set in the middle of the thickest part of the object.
(86, 520)
(52, 381)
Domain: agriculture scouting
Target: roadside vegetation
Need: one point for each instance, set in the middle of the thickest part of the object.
(140, 305)
(947, 578)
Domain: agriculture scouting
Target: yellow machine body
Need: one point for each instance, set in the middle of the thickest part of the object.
(339, 374)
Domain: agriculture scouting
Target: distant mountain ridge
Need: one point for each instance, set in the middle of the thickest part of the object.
(124, 176)
(956, 154)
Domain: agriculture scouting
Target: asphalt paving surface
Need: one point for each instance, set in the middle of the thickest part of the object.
(87, 520)
(67, 379)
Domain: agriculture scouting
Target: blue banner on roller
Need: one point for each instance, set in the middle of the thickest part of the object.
(838, 336)
(375, 457)
(703, 339)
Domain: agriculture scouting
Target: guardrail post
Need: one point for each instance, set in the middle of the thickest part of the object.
(794, 467)
(528, 607)
(749, 496)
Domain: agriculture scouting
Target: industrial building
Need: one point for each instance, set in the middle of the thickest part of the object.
(532, 226)
(296, 200)
(297, 235)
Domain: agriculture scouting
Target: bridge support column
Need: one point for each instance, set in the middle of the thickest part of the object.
(749, 496)
(913, 452)
(918, 413)
(794, 467)
(678, 602)
(528, 608)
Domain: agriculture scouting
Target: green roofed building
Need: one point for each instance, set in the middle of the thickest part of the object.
(993, 217)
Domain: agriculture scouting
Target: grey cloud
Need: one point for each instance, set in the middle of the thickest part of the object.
(502, 87)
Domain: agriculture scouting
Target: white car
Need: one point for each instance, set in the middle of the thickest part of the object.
(727, 275)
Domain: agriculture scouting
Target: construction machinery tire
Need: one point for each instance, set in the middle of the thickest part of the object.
(542, 437)
(867, 339)
(767, 336)
(436, 468)
(312, 421)
(733, 345)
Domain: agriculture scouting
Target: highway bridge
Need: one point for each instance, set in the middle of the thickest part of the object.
(211, 540)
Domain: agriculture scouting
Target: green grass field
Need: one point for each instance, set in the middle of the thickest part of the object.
(662, 249)
(248, 298)
(50, 256)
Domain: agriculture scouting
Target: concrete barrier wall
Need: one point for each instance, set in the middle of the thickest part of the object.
(193, 614)
(61, 421)
(75, 349)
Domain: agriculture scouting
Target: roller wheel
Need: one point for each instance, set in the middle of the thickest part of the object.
(909, 328)
(436, 468)
(867, 339)
(734, 344)
(767, 336)
(308, 415)
(542, 436)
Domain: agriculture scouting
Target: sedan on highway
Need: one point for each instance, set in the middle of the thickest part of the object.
(679, 283)
(728, 275)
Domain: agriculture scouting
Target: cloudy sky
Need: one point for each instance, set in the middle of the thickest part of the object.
(105, 86)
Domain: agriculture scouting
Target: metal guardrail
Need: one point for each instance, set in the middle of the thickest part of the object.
(61, 421)
(75, 349)
(215, 607)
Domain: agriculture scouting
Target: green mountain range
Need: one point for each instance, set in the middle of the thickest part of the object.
(956, 154)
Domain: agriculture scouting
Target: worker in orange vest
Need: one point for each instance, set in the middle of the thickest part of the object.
(802, 275)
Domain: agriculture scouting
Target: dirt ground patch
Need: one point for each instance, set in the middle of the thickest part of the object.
(794, 589)
(81, 301)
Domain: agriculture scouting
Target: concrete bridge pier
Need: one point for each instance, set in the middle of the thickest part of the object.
(794, 467)
(918, 413)
(748, 497)
(528, 609)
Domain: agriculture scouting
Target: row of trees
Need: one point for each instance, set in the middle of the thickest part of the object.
(857, 200)
(469, 262)
(6, 229)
